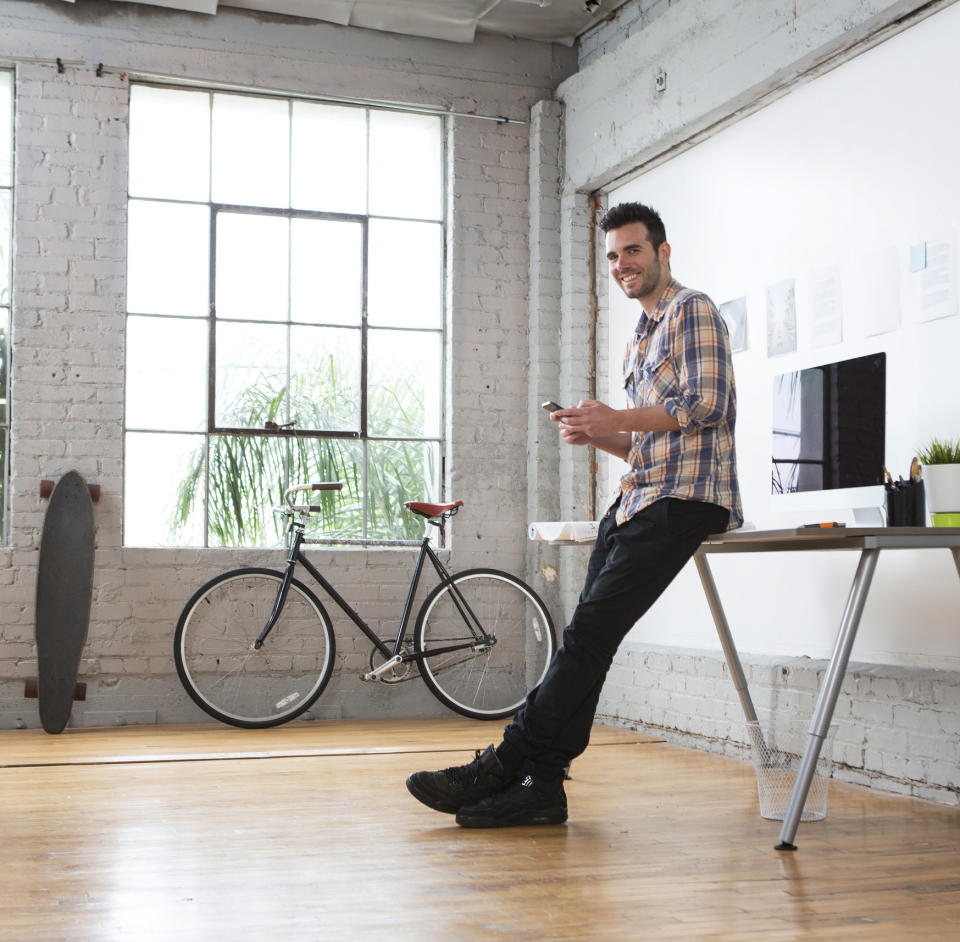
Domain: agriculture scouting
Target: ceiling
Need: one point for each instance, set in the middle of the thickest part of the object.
(558, 21)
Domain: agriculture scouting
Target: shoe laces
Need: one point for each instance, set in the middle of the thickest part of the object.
(465, 774)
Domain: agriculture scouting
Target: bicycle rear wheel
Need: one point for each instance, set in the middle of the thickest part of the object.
(485, 680)
(230, 679)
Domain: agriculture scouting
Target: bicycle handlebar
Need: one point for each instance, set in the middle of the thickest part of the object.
(316, 486)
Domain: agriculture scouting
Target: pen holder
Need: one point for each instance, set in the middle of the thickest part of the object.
(906, 504)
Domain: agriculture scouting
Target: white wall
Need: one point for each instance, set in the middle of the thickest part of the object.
(857, 163)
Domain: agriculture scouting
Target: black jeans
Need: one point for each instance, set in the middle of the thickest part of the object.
(629, 569)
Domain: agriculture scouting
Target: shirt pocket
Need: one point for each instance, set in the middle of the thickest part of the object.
(656, 375)
(631, 377)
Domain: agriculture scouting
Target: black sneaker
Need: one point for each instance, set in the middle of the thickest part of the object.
(526, 801)
(451, 789)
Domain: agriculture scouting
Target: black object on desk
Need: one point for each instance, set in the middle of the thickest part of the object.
(906, 504)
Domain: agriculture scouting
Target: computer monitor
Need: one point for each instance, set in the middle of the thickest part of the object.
(829, 444)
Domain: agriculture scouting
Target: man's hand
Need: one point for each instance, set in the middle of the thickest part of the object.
(585, 424)
(588, 421)
(593, 423)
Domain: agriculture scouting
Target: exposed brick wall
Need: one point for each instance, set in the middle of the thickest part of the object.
(544, 562)
(721, 59)
(488, 336)
(895, 728)
(618, 26)
(68, 333)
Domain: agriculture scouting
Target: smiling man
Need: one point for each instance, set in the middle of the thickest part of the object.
(677, 434)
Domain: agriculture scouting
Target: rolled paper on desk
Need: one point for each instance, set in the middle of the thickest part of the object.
(569, 531)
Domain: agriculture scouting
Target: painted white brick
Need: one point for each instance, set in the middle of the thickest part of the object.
(71, 258)
(918, 753)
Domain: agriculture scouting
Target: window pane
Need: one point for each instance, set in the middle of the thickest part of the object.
(251, 375)
(251, 145)
(404, 383)
(163, 490)
(6, 128)
(252, 266)
(398, 472)
(406, 170)
(292, 282)
(168, 271)
(4, 322)
(331, 459)
(5, 243)
(169, 143)
(248, 475)
(326, 271)
(166, 374)
(406, 274)
(325, 381)
(329, 161)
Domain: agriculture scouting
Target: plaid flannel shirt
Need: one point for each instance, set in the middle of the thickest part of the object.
(679, 358)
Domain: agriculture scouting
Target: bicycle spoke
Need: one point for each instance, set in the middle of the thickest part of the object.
(230, 678)
(494, 681)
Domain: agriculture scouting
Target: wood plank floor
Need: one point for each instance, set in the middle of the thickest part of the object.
(307, 833)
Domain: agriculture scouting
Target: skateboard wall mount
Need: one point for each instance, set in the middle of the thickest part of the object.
(46, 489)
(31, 689)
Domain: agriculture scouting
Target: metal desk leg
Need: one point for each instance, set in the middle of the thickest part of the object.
(726, 642)
(827, 698)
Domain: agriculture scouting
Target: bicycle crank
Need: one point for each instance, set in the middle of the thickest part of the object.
(392, 670)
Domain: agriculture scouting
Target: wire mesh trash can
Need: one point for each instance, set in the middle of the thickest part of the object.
(777, 751)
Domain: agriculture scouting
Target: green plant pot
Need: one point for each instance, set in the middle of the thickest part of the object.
(946, 520)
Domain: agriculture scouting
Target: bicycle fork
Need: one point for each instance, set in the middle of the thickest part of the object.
(282, 592)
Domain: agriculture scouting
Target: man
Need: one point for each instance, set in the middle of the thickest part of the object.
(678, 436)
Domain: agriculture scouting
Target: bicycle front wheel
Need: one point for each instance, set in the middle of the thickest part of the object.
(502, 637)
(231, 679)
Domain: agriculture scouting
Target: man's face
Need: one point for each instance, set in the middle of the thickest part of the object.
(635, 265)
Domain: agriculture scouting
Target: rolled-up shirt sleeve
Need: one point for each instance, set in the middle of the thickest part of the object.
(704, 369)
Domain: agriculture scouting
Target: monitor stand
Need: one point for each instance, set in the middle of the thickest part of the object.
(868, 516)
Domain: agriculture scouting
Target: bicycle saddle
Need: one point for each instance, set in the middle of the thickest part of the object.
(433, 510)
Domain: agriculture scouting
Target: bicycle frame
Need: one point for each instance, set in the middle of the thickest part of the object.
(396, 655)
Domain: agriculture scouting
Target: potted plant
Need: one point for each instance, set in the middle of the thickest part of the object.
(941, 475)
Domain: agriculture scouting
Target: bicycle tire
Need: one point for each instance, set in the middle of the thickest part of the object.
(489, 683)
(231, 681)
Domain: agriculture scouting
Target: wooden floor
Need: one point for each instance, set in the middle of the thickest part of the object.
(307, 833)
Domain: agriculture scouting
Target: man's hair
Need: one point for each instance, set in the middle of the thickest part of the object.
(625, 213)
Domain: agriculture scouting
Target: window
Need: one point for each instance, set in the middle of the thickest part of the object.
(6, 277)
(285, 311)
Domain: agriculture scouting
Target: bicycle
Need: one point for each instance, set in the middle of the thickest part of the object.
(255, 647)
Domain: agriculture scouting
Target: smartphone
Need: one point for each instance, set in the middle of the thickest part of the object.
(550, 406)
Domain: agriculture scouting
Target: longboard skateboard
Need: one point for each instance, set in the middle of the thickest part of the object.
(64, 588)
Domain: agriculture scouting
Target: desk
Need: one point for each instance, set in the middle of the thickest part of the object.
(870, 541)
